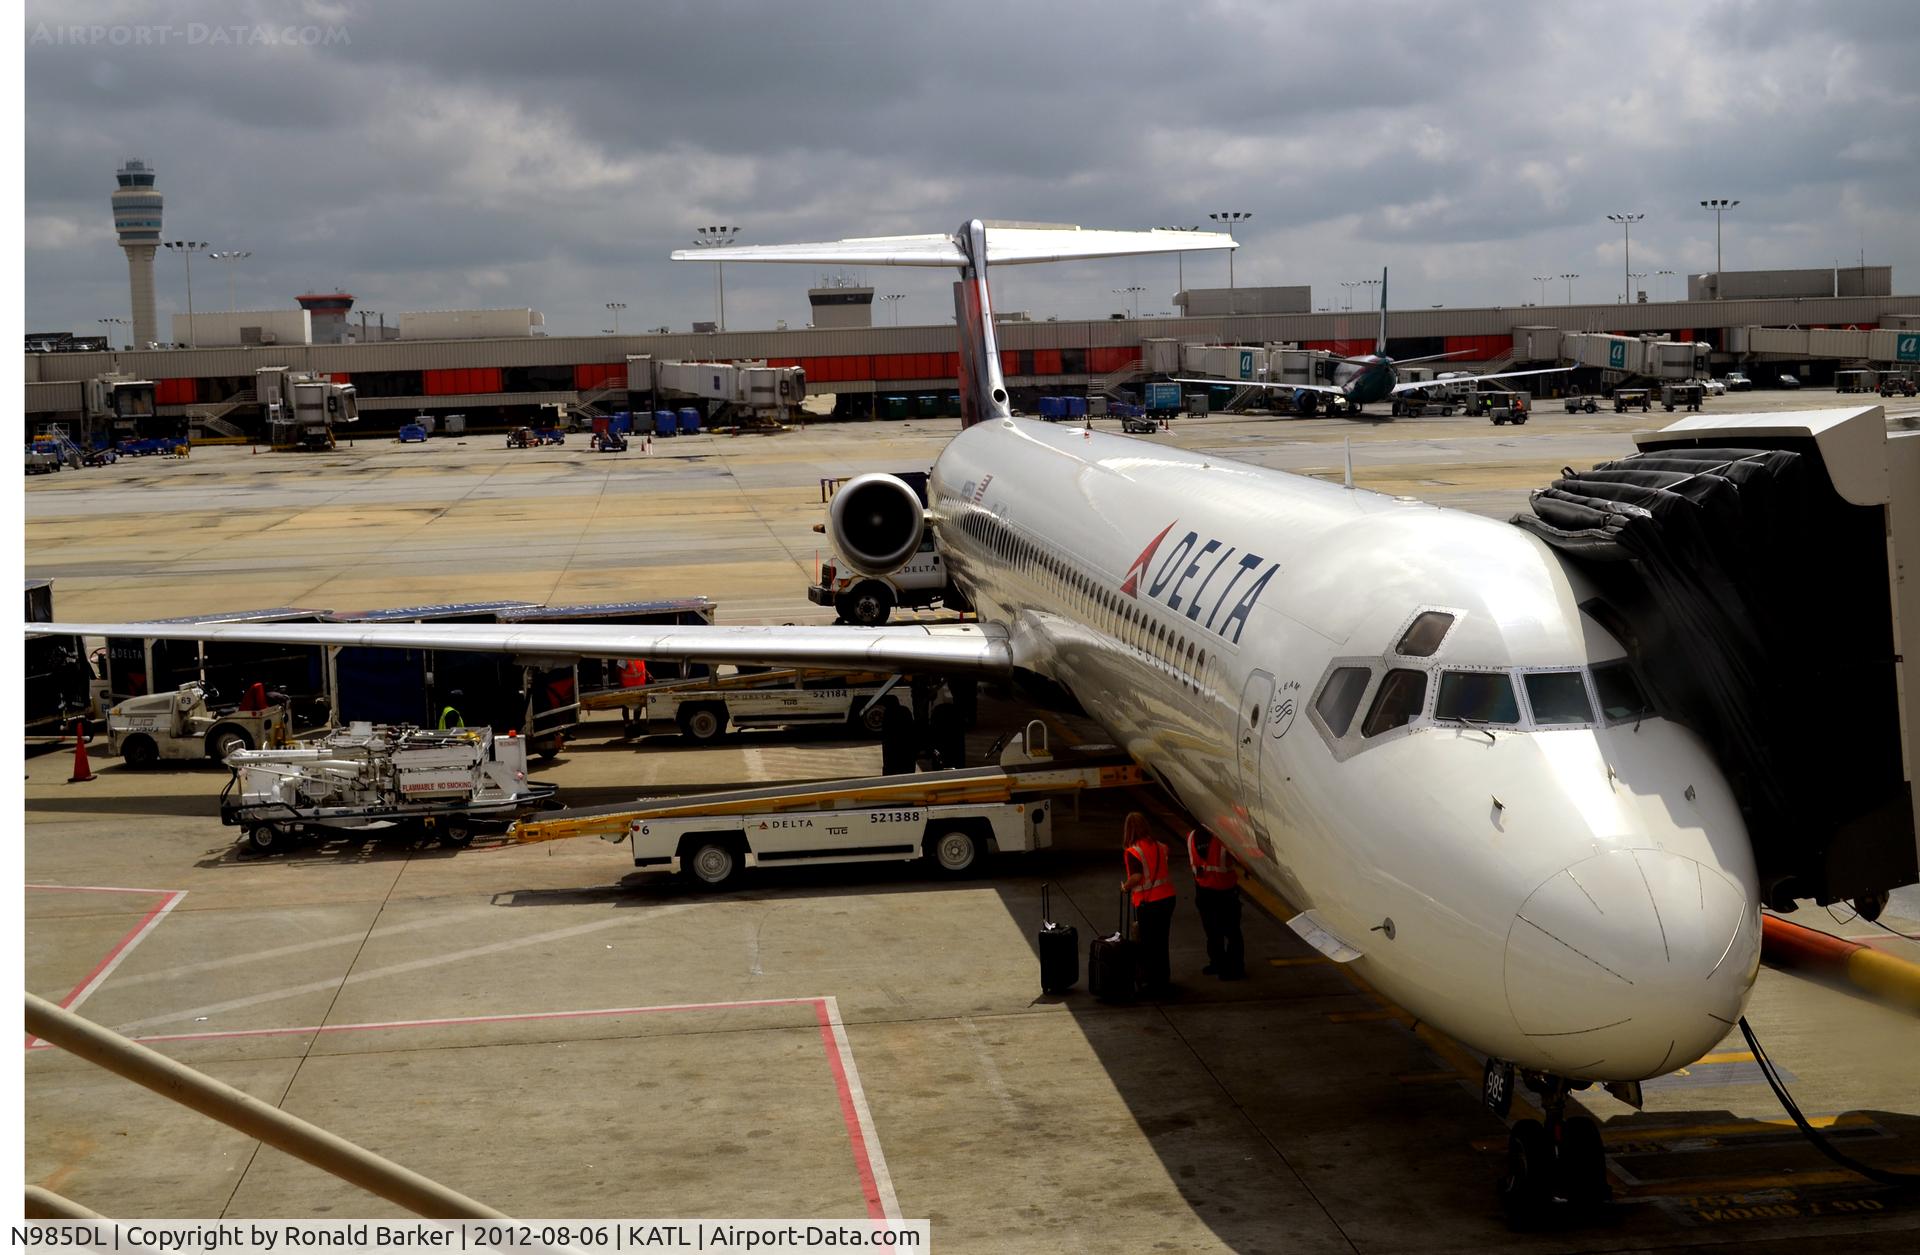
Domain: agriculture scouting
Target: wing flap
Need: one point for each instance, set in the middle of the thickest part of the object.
(971, 648)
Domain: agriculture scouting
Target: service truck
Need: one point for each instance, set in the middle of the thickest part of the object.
(704, 710)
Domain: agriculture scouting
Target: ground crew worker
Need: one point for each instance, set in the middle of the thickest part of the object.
(1216, 891)
(1150, 880)
(450, 714)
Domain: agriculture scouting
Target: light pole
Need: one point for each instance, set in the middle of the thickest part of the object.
(893, 300)
(1626, 222)
(187, 248)
(110, 324)
(363, 322)
(1369, 285)
(232, 254)
(1180, 258)
(1719, 206)
(614, 307)
(1569, 279)
(717, 237)
(1663, 276)
(1349, 286)
(1542, 281)
(1232, 218)
(1633, 278)
(1131, 291)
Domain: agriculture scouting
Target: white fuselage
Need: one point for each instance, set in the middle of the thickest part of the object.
(1577, 897)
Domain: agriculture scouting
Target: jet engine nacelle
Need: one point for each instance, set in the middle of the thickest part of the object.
(875, 521)
(1306, 400)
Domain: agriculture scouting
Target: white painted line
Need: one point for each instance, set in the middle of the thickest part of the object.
(252, 957)
(876, 1158)
(622, 920)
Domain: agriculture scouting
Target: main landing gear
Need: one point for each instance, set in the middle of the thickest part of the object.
(1558, 1161)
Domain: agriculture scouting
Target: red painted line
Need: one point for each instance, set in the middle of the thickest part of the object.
(169, 898)
(861, 1161)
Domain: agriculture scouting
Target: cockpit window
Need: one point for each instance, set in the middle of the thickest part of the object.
(1478, 696)
(1341, 697)
(1400, 699)
(1619, 692)
(1424, 635)
(1558, 698)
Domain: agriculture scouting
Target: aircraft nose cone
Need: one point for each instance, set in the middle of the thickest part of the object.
(1630, 963)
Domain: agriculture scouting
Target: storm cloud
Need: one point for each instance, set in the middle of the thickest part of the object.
(434, 154)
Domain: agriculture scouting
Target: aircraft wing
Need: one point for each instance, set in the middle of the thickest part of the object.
(877, 250)
(1458, 379)
(979, 648)
(1327, 388)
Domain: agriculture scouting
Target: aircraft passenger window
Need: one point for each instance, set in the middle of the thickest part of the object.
(1558, 697)
(1402, 695)
(1341, 698)
(1481, 696)
(1619, 693)
(1424, 635)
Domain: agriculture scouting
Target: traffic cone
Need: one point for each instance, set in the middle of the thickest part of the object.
(82, 770)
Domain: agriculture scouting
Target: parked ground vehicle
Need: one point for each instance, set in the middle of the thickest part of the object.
(1738, 382)
(1578, 402)
(869, 599)
(372, 776)
(1789, 382)
(1714, 387)
(186, 725)
(41, 462)
(530, 437)
(1681, 396)
(1625, 399)
(1898, 386)
(705, 709)
(607, 442)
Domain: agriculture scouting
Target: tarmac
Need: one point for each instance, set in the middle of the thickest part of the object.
(558, 1035)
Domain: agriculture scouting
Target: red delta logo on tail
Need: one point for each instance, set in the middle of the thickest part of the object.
(1131, 585)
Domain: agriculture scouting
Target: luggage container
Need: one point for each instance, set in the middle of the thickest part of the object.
(665, 423)
(1076, 406)
(928, 406)
(689, 421)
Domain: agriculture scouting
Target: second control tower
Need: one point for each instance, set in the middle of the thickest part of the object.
(136, 217)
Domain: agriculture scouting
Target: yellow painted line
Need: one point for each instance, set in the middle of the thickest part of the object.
(1725, 1056)
(1733, 1185)
(1616, 1131)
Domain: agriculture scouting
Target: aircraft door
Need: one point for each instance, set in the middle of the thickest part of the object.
(1250, 720)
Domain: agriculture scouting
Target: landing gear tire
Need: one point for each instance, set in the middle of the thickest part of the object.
(1582, 1164)
(873, 720)
(955, 852)
(711, 863)
(1527, 1187)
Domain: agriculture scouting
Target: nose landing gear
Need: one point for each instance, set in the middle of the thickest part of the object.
(1555, 1161)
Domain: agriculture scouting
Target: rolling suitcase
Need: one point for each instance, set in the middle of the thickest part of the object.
(1059, 949)
(1112, 962)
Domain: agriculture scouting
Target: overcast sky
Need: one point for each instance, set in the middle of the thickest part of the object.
(439, 154)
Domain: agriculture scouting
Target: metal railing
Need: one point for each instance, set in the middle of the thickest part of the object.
(328, 1152)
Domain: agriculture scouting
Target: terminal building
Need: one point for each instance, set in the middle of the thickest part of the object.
(497, 366)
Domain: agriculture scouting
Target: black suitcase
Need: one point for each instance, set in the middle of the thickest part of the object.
(1112, 963)
(1059, 949)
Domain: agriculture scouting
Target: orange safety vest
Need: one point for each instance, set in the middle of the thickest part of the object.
(1216, 871)
(1158, 882)
(633, 673)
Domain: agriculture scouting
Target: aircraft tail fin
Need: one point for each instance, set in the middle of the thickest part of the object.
(1380, 341)
(971, 249)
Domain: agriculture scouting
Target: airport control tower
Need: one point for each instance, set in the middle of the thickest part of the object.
(136, 217)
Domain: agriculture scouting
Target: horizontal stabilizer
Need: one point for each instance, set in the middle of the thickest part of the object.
(972, 648)
(878, 250)
(1006, 246)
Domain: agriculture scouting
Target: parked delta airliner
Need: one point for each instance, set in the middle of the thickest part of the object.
(1396, 715)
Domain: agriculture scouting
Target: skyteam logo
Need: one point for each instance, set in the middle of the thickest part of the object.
(1221, 571)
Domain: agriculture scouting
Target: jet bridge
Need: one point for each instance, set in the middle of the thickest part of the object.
(1760, 570)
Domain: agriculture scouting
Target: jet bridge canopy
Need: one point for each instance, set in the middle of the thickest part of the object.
(1753, 566)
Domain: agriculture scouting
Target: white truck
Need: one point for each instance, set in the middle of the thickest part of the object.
(431, 782)
(184, 725)
(868, 600)
(954, 818)
(705, 712)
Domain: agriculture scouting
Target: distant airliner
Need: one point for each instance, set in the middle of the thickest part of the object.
(1397, 716)
(1360, 381)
